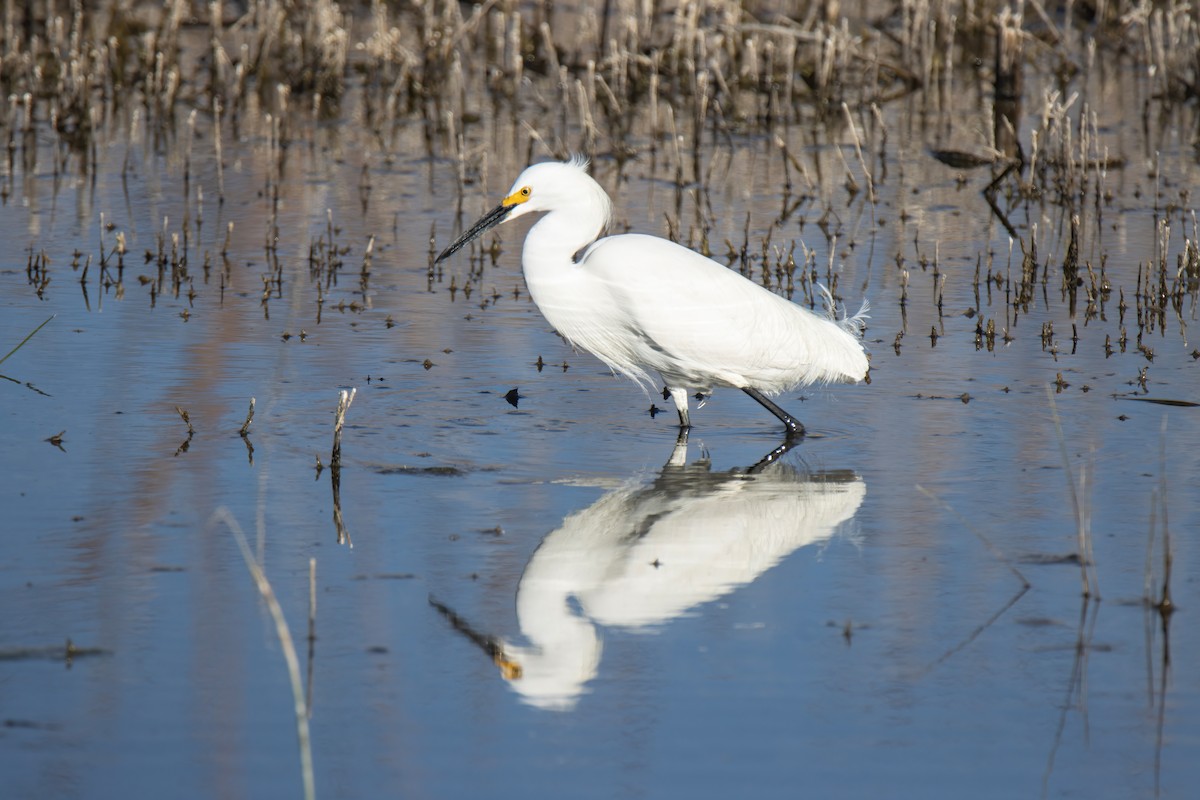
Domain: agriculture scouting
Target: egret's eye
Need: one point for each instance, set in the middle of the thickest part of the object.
(521, 195)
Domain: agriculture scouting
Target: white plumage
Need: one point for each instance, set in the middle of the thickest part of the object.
(645, 305)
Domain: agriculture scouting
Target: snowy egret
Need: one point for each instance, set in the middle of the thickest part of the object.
(643, 304)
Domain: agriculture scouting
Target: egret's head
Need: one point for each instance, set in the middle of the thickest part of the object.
(549, 186)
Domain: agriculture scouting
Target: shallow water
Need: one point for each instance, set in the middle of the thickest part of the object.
(852, 621)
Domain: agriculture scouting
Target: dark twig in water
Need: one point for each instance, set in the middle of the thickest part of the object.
(1000, 556)
(973, 635)
(183, 414)
(1164, 675)
(1077, 685)
(1162, 401)
(66, 654)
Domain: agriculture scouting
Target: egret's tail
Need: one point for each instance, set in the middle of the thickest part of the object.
(852, 325)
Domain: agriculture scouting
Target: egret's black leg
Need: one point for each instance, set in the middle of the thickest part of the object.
(794, 428)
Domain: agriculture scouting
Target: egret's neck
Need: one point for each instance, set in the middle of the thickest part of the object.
(557, 237)
(568, 294)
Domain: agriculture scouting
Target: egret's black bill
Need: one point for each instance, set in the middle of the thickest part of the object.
(489, 221)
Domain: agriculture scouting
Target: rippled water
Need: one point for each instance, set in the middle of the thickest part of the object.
(556, 598)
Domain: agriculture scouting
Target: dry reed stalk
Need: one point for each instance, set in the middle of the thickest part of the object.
(312, 631)
(339, 420)
(216, 109)
(245, 429)
(1008, 83)
(286, 644)
(858, 150)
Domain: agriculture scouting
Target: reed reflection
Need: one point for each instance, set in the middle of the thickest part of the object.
(646, 553)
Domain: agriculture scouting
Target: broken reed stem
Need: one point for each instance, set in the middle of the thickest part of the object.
(286, 644)
(249, 418)
(183, 414)
(339, 420)
(1081, 523)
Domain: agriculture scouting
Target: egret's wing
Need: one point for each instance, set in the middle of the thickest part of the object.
(699, 319)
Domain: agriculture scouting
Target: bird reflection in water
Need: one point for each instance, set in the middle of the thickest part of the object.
(646, 553)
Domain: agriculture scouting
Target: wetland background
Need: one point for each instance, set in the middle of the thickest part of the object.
(974, 577)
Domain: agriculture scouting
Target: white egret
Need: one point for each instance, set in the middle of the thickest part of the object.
(643, 304)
